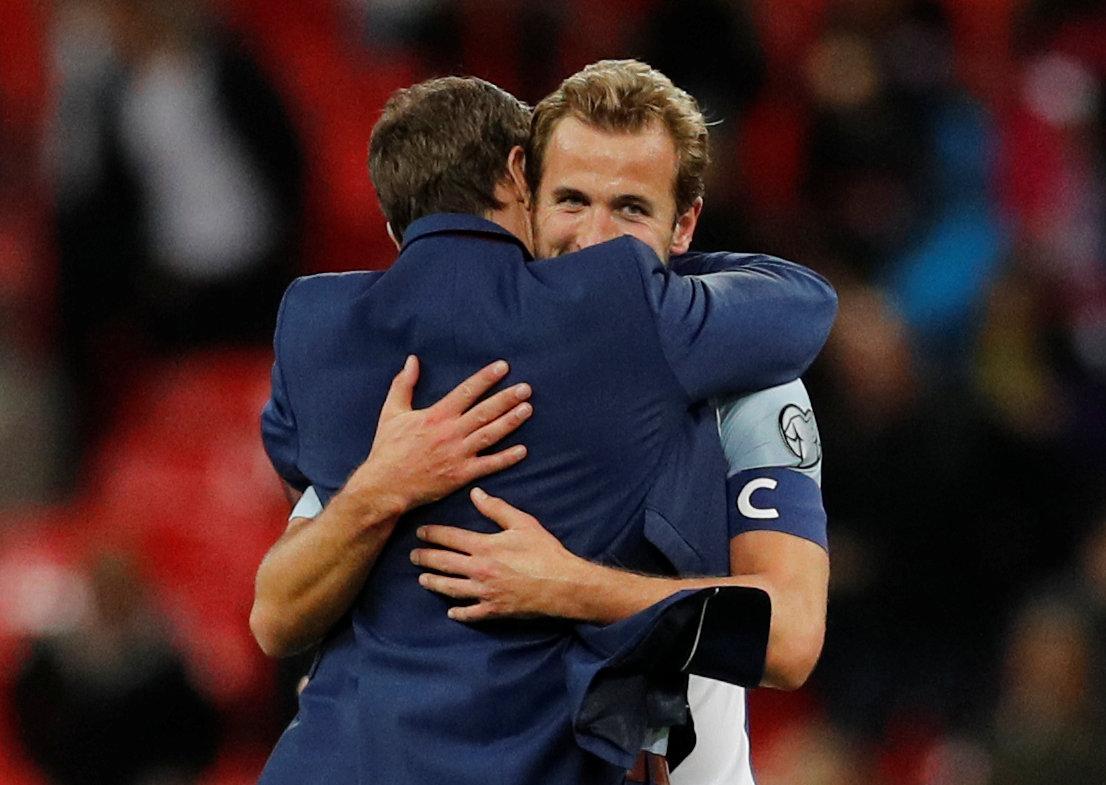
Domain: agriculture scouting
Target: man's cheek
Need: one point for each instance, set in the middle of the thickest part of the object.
(650, 237)
(545, 247)
(554, 238)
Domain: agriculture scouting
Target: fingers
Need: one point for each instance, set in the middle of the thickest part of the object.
(491, 433)
(443, 561)
(500, 404)
(458, 588)
(402, 389)
(468, 613)
(468, 392)
(490, 464)
(451, 537)
(500, 511)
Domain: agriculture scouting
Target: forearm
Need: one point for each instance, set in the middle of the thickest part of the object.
(524, 571)
(313, 573)
(604, 595)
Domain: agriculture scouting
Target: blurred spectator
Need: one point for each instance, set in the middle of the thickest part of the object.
(902, 638)
(109, 699)
(179, 185)
(865, 157)
(1014, 368)
(1092, 572)
(1084, 587)
(1048, 727)
(900, 166)
(730, 71)
(956, 761)
(30, 387)
(30, 406)
(397, 28)
(943, 511)
(1053, 170)
(814, 754)
(725, 78)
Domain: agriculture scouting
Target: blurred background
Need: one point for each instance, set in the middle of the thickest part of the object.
(167, 166)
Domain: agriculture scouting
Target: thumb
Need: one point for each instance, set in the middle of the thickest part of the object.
(402, 389)
(501, 512)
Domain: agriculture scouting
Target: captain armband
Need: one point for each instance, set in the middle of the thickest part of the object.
(776, 499)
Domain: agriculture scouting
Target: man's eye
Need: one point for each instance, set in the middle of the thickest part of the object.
(634, 210)
(571, 201)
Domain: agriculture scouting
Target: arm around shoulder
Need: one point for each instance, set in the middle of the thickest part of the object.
(313, 573)
(749, 323)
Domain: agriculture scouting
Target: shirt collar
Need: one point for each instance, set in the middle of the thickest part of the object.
(452, 223)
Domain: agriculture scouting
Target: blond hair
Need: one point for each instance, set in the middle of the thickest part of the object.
(626, 96)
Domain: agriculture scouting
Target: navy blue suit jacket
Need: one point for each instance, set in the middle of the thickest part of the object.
(620, 351)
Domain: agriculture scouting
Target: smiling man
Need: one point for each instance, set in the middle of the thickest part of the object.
(600, 184)
(618, 150)
(621, 353)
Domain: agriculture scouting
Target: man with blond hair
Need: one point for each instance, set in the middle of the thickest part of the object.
(617, 348)
(618, 149)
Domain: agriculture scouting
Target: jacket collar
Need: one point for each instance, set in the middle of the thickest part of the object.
(452, 223)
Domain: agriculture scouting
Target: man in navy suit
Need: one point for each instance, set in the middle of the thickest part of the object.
(618, 348)
(590, 160)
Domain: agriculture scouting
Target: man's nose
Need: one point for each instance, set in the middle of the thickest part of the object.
(599, 228)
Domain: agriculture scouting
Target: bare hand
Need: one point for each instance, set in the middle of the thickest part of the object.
(421, 455)
(521, 571)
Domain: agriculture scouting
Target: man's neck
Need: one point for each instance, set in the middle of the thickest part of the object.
(516, 220)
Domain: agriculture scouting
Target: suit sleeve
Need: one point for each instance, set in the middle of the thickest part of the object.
(774, 455)
(278, 421)
(629, 676)
(699, 263)
(747, 323)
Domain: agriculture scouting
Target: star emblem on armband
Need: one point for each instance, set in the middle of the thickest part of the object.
(800, 434)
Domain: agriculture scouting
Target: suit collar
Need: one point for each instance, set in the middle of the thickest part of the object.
(452, 223)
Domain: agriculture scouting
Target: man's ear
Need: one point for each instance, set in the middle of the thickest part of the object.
(392, 234)
(685, 228)
(516, 171)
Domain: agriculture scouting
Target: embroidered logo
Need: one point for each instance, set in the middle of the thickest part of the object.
(800, 433)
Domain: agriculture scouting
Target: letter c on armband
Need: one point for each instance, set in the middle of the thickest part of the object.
(745, 499)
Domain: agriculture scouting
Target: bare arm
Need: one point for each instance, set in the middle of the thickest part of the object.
(525, 571)
(312, 574)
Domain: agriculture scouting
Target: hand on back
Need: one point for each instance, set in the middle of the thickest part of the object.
(421, 455)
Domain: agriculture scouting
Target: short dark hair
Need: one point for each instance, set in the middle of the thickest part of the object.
(442, 146)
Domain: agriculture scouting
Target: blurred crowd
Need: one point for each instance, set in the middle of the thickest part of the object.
(167, 166)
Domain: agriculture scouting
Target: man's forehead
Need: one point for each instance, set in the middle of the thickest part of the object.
(578, 134)
(578, 149)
